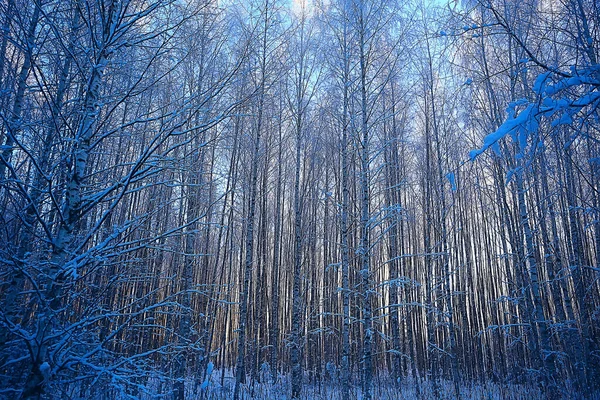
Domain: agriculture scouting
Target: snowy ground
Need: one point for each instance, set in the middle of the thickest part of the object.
(330, 390)
(327, 389)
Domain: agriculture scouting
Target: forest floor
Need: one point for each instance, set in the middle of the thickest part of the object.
(330, 389)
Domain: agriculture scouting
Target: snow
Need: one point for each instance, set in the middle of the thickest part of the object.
(594, 160)
(565, 119)
(330, 389)
(509, 175)
(209, 369)
(540, 82)
(46, 370)
(452, 179)
(518, 127)
(492, 139)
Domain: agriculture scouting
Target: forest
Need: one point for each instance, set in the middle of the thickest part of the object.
(299, 199)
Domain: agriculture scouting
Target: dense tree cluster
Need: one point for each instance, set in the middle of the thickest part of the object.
(364, 194)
